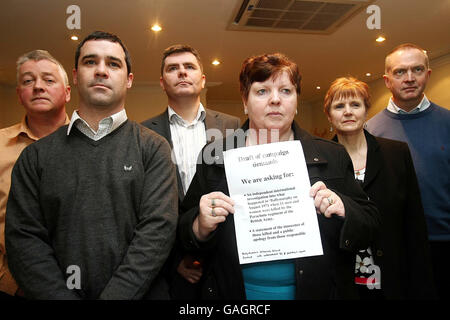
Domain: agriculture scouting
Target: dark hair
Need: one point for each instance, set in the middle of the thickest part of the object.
(101, 35)
(346, 87)
(262, 67)
(179, 48)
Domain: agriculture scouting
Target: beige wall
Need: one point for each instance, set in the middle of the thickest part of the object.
(10, 110)
(145, 100)
(316, 122)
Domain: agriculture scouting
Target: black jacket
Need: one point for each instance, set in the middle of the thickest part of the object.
(400, 248)
(180, 288)
(329, 276)
(213, 120)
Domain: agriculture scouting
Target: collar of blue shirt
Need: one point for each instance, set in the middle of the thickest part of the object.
(423, 105)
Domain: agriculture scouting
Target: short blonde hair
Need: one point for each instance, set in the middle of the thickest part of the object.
(37, 55)
(346, 87)
(405, 46)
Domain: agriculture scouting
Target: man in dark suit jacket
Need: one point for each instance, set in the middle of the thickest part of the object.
(213, 120)
(187, 126)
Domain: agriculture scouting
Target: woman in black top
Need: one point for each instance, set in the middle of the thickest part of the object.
(395, 265)
(270, 85)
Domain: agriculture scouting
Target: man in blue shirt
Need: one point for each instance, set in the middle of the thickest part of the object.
(425, 126)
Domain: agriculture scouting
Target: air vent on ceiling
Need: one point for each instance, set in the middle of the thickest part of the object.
(312, 16)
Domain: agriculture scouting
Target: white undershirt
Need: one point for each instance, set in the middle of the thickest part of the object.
(423, 105)
(188, 139)
(105, 126)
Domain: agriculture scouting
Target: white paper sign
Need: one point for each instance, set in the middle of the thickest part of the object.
(274, 217)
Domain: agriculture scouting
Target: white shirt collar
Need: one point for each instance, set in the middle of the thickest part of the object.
(174, 117)
(423, 105)
(117, 119)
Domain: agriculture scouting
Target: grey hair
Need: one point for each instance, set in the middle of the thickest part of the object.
(37, 55)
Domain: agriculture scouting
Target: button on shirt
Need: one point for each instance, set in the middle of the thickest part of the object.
(105, 126)
(188, 139)
(12, 142)
(422, 106)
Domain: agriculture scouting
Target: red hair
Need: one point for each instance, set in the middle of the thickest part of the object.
(262, 67)
(346, 87)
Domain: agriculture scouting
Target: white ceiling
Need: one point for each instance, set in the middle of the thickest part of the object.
(31, 24)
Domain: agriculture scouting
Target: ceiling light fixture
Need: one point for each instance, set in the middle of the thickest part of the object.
(318, 88)
(380, 39)
(215, 62)
(156, 27)
(368, 74)
(74, 38)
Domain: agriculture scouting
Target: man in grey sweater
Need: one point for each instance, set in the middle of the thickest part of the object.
(93, 207)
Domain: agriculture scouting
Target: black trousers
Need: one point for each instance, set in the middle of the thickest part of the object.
(6, 297)
(440, 251)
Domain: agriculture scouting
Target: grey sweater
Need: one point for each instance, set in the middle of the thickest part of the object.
(107, 207)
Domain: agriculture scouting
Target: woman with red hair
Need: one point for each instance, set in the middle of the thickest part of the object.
(396, 265)
(270, 86)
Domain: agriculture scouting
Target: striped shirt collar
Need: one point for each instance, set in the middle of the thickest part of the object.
(105, 126)
(422, 106)
(175, 118)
